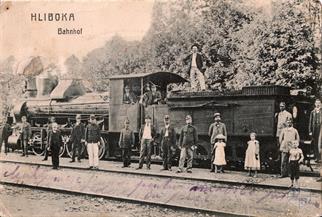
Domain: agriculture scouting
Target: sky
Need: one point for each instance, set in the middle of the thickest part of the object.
(99, 20)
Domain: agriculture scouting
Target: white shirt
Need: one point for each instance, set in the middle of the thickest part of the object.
(166, 134)
(281, 121)
(193, 60)
(147, 132)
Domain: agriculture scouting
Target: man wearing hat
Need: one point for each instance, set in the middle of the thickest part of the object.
(168, 142)
(315, 129)
(5, 131)
(128, 97)
(126, 141)
(77, 137)
(49, 129)
(156, 95)
(281, 117)
(92, 141)
(188, 139)
(25, 130)
(146, 98)
(146, 135)
(197, 67)
(286, 138)
(215, 129)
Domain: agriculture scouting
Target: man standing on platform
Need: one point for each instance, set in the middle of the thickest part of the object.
(168, 142)
(197, 68)
(288, 136)
(281, 117)
(126, 141)
(52, 121)
(147, 134)
(92, 141)
(215, 129)
(315, 129)
(188, 139)
(25, 135)
(77, 137)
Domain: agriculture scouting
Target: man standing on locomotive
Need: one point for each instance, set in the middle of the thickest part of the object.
(52, 121)
(76, 138)
(315, 129)
(287, 137)
(188, 139)
(92, 141)
(146, 135)
(215, 129)
(168, 142)
(197, 68)
(25, 135)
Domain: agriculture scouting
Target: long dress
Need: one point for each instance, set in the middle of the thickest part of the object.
(250, 159)
(219, 153)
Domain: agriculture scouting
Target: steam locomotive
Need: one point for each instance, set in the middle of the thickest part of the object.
(251, 109)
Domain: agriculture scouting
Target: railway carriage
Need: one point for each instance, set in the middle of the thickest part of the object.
(243, 111)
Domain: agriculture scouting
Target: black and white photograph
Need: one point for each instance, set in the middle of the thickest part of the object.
(150, 108)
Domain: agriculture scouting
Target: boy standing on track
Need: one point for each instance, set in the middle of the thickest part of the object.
(215, 129)
(168, 142)
(92, 141)
(77, 137)
(188, 139)
(55, 142)
(126, 141)
(296, 157)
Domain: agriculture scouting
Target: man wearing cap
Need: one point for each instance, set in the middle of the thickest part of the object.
(286, 138)
(215, 129)
(77, 137)
(49, 129)
(146, 98)
(315, 129)
(197, 68)
(5, 133)
(168, 142)
(128, 97)
(25, 130)
(188, 139)
(156, 95)
(146, 136)
(92, 141)
(282, 116)
(126, 141)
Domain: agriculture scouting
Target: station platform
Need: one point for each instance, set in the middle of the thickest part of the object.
(229, 177)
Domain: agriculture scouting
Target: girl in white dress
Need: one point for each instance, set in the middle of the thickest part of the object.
(219, 151)
(252, 162)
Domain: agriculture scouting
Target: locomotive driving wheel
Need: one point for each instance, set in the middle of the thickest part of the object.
(101, 148)
(65, 139)
(36, 144)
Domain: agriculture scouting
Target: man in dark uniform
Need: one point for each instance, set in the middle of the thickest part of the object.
(5, 133)
(126, 141)
(168, 142)
(48, 130)
(156, 95)
(25, 135)
(146, 98)
(188, 139)
(77, 137)
(315, 129)
(55, 142)
(146, 135)
(215, 129)
(128, 97)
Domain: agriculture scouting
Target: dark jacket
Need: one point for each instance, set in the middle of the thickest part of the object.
(153, 132)
(5, 132)
(171, 136)
(55, 140)
(188, 136)
(313, 116)
(215, 129)
(92, 133)
(199, 61)
(127, 138)
(78, 133)
(128, 99)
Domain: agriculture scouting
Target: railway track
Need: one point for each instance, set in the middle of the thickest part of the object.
(194, 192)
